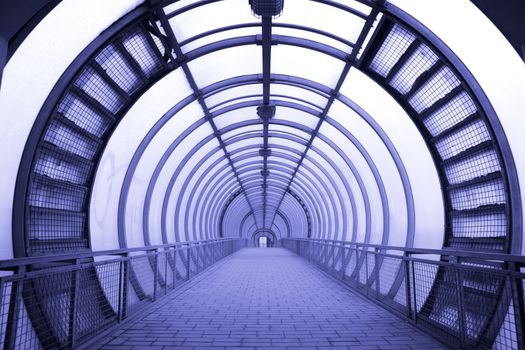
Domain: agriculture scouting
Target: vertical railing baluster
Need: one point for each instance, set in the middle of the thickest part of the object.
(155, 273)
(414, 291)
(13, 312)
(406, 262)
(518, 302)
(73, 301)
(376, 267)
(461, 301)
(189, 263)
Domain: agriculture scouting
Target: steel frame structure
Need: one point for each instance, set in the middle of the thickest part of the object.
(35, 192)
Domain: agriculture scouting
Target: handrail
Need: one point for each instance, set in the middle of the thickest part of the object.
(9, 264)
(55, 290)
(512, 258)
(467, 299)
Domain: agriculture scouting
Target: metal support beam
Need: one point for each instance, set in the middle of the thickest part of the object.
(335, 92)
(180, 57)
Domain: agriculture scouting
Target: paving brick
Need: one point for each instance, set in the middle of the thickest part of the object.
(266, 299)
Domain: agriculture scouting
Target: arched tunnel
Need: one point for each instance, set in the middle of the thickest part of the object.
(144, 141)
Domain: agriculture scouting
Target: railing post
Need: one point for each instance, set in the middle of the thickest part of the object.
(73, 298)
(174, 267)
(14, 309)
(461, 300)
(123, 288)
(155, 274)
(519, 307)
(414, 290)
(376, 266)
(366, 270)
(189, 263)
(166, 255)
(408, 286)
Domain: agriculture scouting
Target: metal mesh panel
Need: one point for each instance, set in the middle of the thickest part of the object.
(469, 136)
(456, 110)
(23, 335)
(350, 267)
(48, 194)
(401, 297)
(143, 273)
(51, 294)
(420, 61)
(115, 65)
(492, 192)
(140, 48)
(435, 88)
(424, 274)
(507, 338)
(70, 140)
(442, 304)
(56, 165)
(95, 86)
(479, 164)
(181, 265)
(98, 290)
(51, 224)
(388, 273)
(395, 44)
(85, 116)
(479, 294)
(479, 225)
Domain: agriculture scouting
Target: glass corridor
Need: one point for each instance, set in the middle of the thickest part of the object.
(148, 141)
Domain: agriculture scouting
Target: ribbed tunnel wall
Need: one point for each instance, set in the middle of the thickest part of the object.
(155, 134)
(318, 163)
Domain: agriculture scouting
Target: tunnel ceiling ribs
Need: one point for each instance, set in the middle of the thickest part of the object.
(479, 184)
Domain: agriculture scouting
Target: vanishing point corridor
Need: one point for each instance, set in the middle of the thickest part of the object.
(266, 298)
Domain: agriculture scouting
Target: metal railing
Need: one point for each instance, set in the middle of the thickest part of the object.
(464, 298)
(64, 301)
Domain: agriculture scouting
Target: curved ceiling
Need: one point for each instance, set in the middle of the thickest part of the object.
(206, 120)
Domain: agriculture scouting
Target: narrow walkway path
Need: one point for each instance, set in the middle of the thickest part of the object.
(266, 298)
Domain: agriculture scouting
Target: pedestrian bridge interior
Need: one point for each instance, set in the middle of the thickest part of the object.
(255, 174)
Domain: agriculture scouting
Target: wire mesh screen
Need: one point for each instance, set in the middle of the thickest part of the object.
(460, 136)
(479, 164)
(507, 336)
(478, 195)
(488, 224)
(61, 305)
(419, 62)
(118, 68)
(452, 113)
(75, 134)
(396, 43)
(464, 301)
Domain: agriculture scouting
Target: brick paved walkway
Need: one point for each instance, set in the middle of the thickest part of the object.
(266, 298)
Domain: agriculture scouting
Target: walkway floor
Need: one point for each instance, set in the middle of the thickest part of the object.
(266, 298)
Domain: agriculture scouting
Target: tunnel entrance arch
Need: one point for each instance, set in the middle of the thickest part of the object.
(258, 238)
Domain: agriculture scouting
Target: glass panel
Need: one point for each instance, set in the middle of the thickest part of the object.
(330, 19)
(288, 130)
(312, 36)
(252, 31)
(277, 158)
(296, 116)
(236, 116)
(307, 64)
(216, 100)
(309, 96)
(210, 16)
(287, 143)
(244, 143)
(234, 62)
(238, 131)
